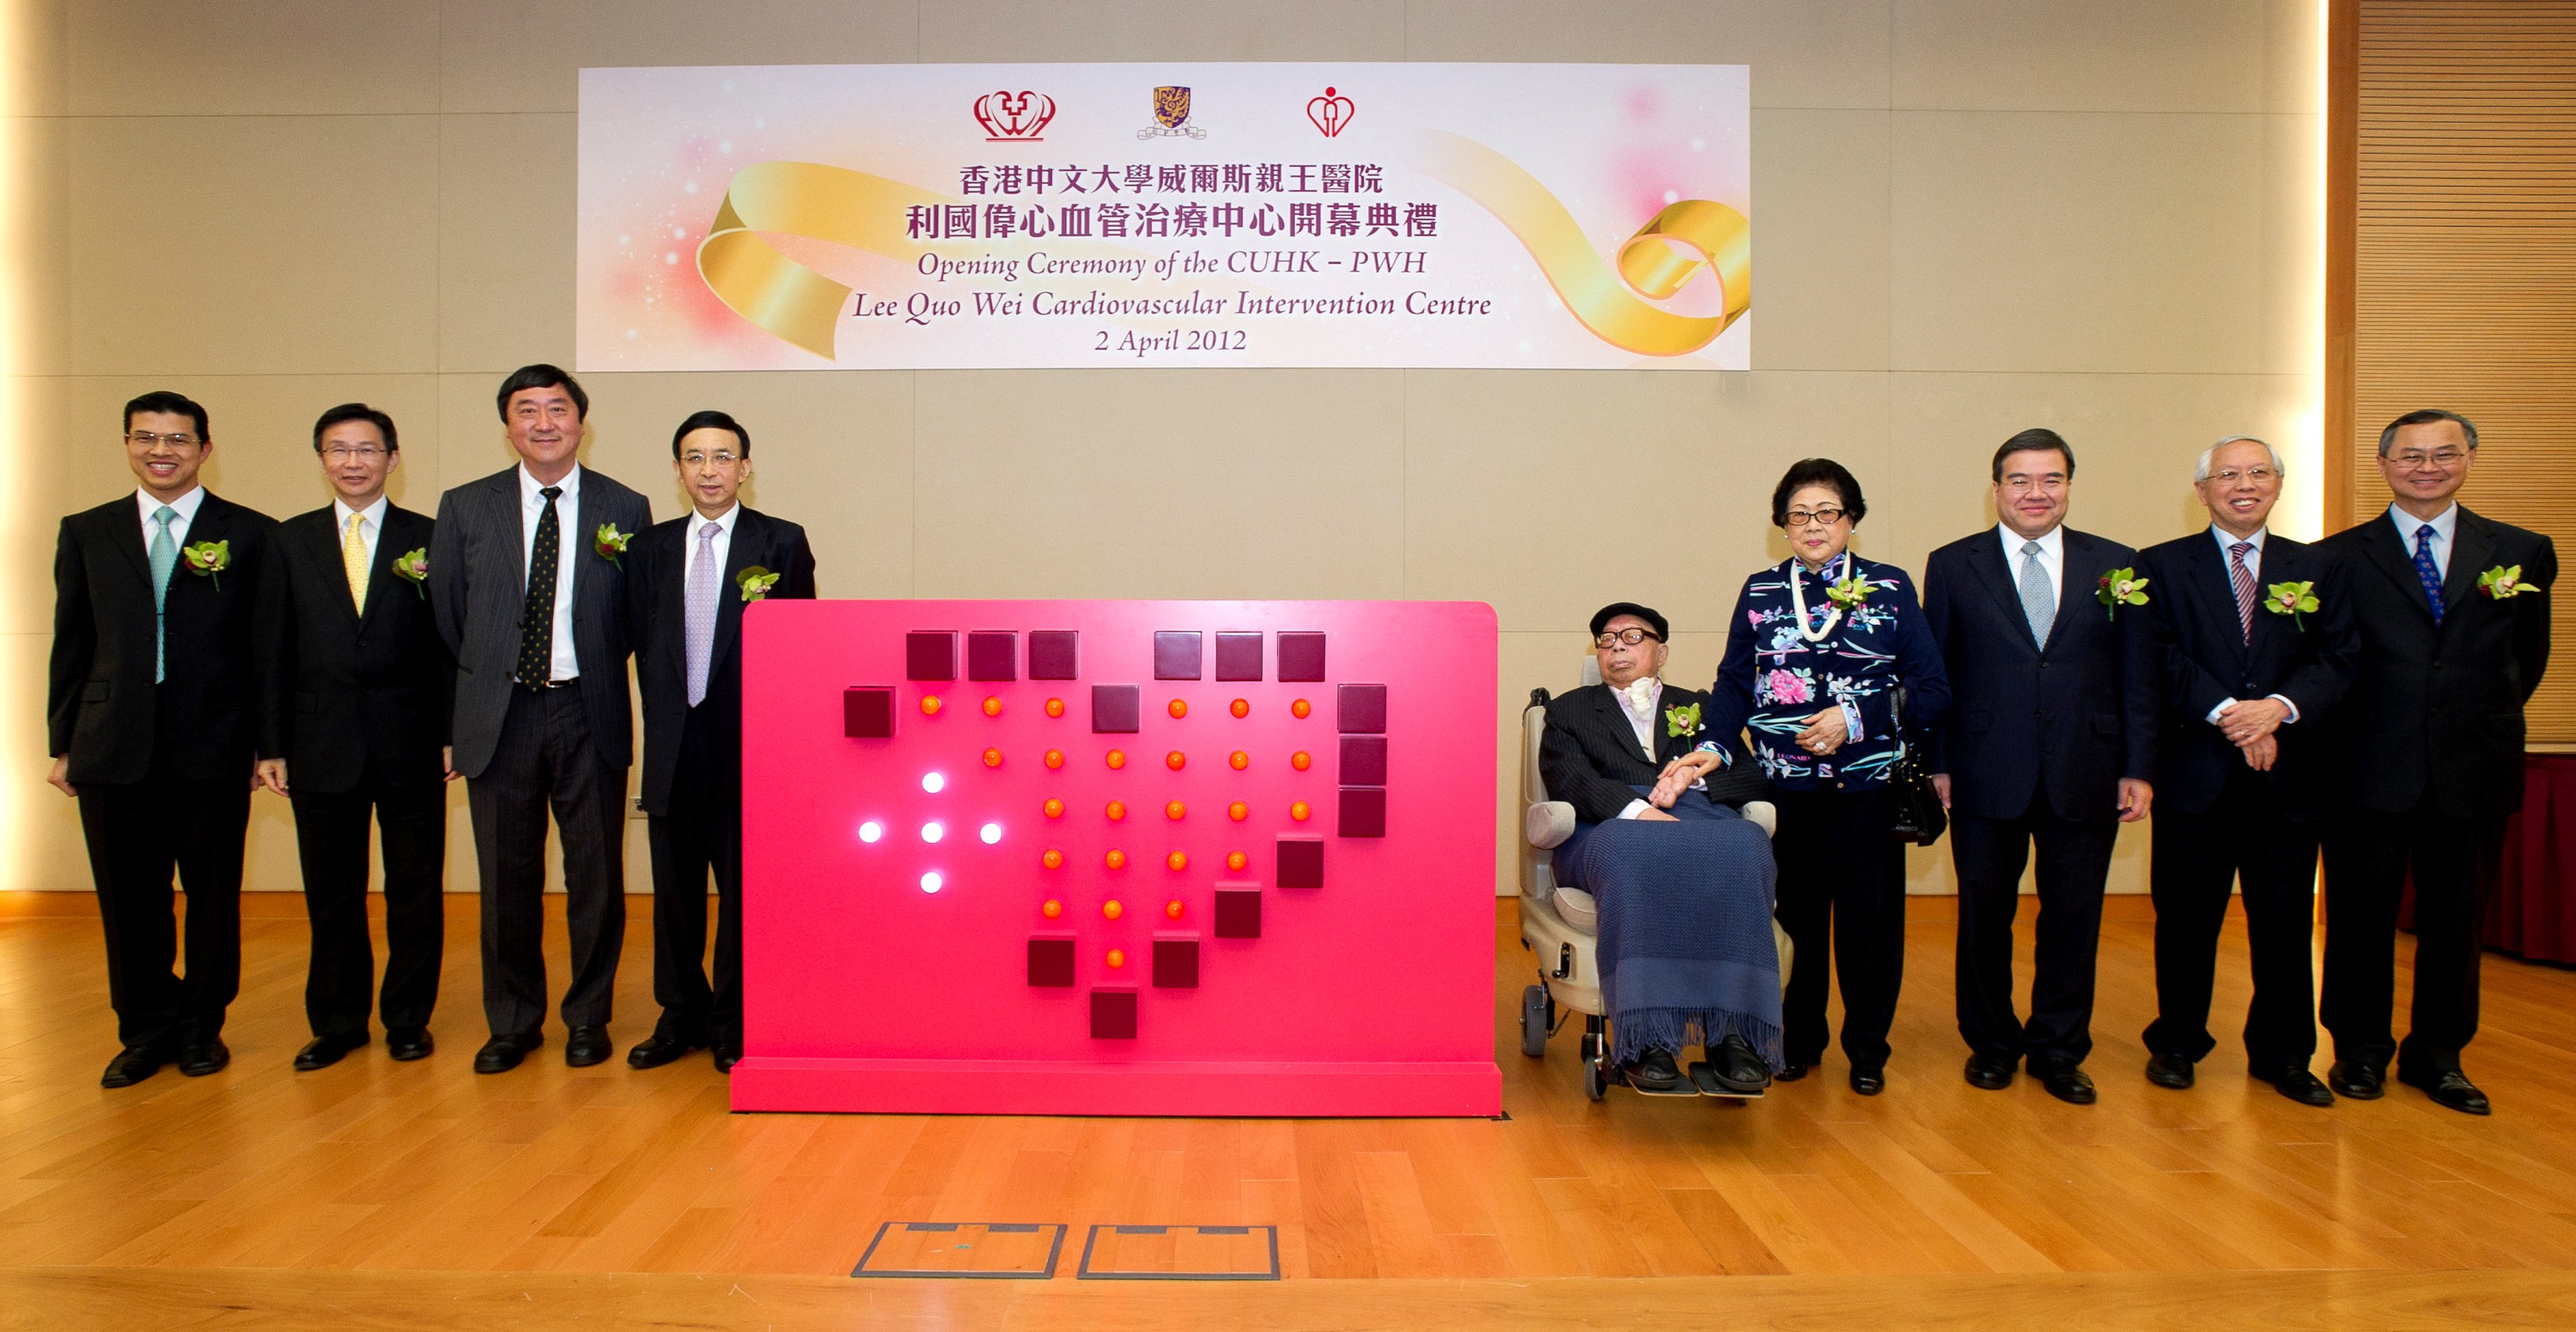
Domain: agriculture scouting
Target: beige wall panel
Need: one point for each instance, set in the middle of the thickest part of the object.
(750, 32)
(2290, 303)
(1160, 483)
(31, 56)
(505, 241)
(2095, 55)
(1810, 53)
(1820, 240)
(252, 57)
(40, 832)
(258, 245)
(1551, 494)
(830, 451)
(38, 232)
(509, 55)
(263, 432)
(1127, 30)
(2077, 242)
(72, 474)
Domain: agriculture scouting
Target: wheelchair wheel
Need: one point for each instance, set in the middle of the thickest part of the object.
(1593, 1086)
(1534, 1021)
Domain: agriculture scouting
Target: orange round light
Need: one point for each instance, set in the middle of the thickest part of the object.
(1301, 760)
(930, 705)
(1117, 958)
(992, 758)
(1174, 810)
(1116, 860)
(1236, 860)
(1117, 809)
(1055, 707)
(1053, 859)
(1052, 909)
(1298, 811)
(1055, 758)
(1054, 808)
(1173, 908)
(1174, 760)
(1117, 759)
(1178, 709)
(1239, 760)
(1111, 909)
(992, 706)
(1240, 708)
(1177, 861)
(1300, 708)
(1238, 811)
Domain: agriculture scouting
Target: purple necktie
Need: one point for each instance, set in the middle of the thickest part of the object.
(2243, 577)
(2429, 572)
(700, 621)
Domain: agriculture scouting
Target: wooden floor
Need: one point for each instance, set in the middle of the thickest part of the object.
(131, 1207)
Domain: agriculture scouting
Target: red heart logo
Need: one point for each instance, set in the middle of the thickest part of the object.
(1331, 112)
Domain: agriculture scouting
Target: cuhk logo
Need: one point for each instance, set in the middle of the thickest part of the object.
(1331, 112)
(1014, 116)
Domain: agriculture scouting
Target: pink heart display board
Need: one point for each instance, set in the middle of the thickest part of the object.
(1119, 857)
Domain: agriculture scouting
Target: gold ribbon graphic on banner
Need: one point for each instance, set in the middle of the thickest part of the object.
(827, 203)
(1658, 261)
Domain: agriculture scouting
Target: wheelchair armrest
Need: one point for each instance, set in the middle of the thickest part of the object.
(1549, 823)
(1762, 814)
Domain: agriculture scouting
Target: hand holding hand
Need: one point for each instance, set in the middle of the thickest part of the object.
(2252, 719)
(2135, 797)
(1825, 732)
(1656, 816)
(2261, 754)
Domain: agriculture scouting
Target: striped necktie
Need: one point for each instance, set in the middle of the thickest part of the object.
(2243, 578)
(2427, 571)
(353, 560)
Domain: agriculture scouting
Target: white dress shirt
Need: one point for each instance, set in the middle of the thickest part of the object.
(2445, 525)
(371, 525)
(532, 508)
(2052, 558)
(2254, 568)
(1643, 723)
(723, 543)
(185, 504)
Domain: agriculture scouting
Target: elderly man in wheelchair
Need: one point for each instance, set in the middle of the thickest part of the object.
(1649, 879)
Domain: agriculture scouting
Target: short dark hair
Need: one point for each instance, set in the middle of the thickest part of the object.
(1654, 620)
(710, 420)
(2037, 439)
(1818, 472)
(176, 404)
(2426, 416)
(540, 376)
(357, 411)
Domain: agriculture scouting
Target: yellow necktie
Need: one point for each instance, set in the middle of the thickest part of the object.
(353, 558)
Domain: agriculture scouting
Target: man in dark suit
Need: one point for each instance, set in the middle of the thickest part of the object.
(2257, 636)
(163, 693)
(366, 737)
(695, 577)
(2454, 616)
(2049, 742)
(527, 577)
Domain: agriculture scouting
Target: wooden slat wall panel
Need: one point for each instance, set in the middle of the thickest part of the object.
(2465, 264)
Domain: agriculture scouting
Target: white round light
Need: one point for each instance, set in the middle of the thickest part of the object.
(932, 832)
(931, 782)
(871, 830)
(930, 882)
(992, 833)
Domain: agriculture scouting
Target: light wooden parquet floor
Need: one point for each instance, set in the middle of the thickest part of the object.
(374, 1168)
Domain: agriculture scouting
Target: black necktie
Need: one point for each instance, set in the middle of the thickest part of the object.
(537, 617)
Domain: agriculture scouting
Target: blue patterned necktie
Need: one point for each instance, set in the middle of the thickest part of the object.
(165, 557)
(2429, 572)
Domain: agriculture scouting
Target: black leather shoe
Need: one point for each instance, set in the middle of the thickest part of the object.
(324, 1051)
(1654, 1071)
(2451, 1090)
(1993, 1072)
(408, 1043)
(2298, 1084)
(2357, 1081)
(1790, 1072)
(2064, 1079)
(728, 1054)
(657, 1049)
(2170, 1070)
(1868, 1081)
(1738, 1069)
(199, 1058)
(131, 1065)
(585, 1046)
(503, 1053)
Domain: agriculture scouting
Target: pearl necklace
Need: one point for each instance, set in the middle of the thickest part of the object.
(1798, 600)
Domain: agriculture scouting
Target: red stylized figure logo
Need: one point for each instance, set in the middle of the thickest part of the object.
(1014, 116)
(1331, 112)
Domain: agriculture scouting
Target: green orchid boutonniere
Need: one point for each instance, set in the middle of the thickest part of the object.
(2120, 587)
(412, 566)
(611, 543)
(2291, 599)
(1681, 721)
(2503, 581)
(1850, 593)
(209, 559)
(755, 582)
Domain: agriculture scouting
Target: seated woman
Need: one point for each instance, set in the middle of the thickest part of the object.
(1684, 883)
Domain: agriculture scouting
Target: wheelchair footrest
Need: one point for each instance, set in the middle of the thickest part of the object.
(1685, 1087)
(1703, 1082)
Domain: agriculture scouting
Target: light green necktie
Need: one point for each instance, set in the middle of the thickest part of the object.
(165, 557)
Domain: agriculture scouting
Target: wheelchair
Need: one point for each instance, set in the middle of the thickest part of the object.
(1559, 925)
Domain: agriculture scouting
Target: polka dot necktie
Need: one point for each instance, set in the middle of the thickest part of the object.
(537, 617)
(2427, 571)
(698, 618)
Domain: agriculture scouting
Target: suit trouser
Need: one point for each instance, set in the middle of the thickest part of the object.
(701, 833)
(331, 841)
(138, 833)
(2074, 862)
(546, 761)
(2455, 862)
(1842, 873)
(2243, 837)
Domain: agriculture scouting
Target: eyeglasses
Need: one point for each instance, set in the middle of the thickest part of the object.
(362, 453)
(1821, 517)
(2446, 459)
(721, 458)
(1628, 637)
(146, 439)
(2261, 476)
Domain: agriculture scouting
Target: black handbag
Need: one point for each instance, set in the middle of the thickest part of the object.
(1920, 817)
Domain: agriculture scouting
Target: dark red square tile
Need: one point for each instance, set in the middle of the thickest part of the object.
(1176, 654)
(1301, 657)
(1051, 961)
(930, 654)
(1055, 654)
(1363, 812)
(867, 712)
(1238, 656)
(1176, 963)
(1238, 912)
(1363, 760)
(1113, 1015)
(1115, 709)
(992, 654)
(1301, 862)
(1363, 708)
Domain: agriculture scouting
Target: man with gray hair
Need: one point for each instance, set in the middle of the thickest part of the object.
(2454, 616)
(2243, 778)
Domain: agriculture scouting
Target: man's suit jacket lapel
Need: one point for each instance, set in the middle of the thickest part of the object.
(125, 532)
(2387, 553)
(1614, 718)
(392, 540)
(2213, 584)
(1986, 556)
(325, 558)
(504, 492)
(750, 546)
(2472, 553)
(671, 569)
(2081, 565)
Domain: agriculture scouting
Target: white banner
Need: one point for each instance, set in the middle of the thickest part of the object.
(973, 216)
